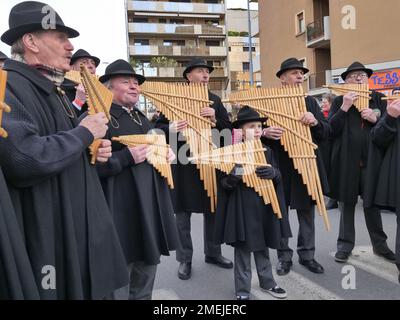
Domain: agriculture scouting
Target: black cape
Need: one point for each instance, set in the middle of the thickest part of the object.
(16, 276)
(242, 218)
(69, 88)
(350, 140)
(56, 193)
(382, 187)
(138, 196)
(189, 194)
(296, 194)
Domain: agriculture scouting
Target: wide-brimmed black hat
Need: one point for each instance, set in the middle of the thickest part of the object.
(121, 68)
(290, 64)
(3, 56)
(357, 66)
(80, 54)
(247, 114)
(31, 16)
(197, 63)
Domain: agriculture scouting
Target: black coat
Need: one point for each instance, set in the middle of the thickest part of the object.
(351, 136)
(138, 196)
(16, 276)
(69, 88)
(296, 194)
(242, 218)
(189, 194)
(56, 192)
(382, 186)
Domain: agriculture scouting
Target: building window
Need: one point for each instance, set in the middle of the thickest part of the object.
(300, 23)
(213, 43)
(230, 49)
(246, 66)
(212, 22)
(140, 20)
(177, 21)
(246, 49)
(169, 43)
(141, 42)
(162, 20)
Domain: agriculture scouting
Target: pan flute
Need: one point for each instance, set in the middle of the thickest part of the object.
(362, 90)
(158, 152)
(3, 106)
(74, 76)
(250, 154)
(284, 107)
(392, 97)
(99, 99)
(181, 101)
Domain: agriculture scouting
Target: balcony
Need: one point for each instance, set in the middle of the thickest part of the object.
(318, 33)
(176, 7)
(180, 29)
(175, 72)
(179, 51)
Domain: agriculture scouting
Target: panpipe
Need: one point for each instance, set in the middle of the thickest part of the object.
(392, 97)
(99, 99)
(74, 76)
(250, 154)
(182, 101)
(284, 107)
(158, 152)
(364, 94)
(3, 106)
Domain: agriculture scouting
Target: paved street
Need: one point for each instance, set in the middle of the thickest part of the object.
(375, 278)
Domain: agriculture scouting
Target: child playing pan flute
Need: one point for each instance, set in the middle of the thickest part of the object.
(245, 222)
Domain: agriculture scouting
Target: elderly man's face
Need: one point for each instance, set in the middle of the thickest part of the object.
(199, 75)
(87, 62)
(54, 49)
(292, 77)
(1, 64)
(126, 90)
(359, 77)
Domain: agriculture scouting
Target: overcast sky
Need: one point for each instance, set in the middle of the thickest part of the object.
(101, 24)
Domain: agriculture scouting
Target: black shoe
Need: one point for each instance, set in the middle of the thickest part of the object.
(332, 204)
(283, 267)
(185, 270)
(220, 262)
(277, 292)
(312, 265)
(243, 297)
(342, 256)
(389, 256)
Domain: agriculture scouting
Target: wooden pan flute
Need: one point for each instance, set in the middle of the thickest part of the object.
(364, 94)
(284, 107)
(182, 101)
(99, 99)
(250, 154)
(3, 106)
(158, 152)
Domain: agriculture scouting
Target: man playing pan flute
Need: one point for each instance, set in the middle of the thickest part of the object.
(56, 193)
(348, 166)
(189, 194)
(292, 73)
(137, 194)
(76, 93)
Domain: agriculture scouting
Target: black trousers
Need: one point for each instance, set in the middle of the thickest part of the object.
(398, 239)
(185, 252)
(305, 239)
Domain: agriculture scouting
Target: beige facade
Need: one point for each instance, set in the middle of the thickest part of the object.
(164, 36)
(328, 35)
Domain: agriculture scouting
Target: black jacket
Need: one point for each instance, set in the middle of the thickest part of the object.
(296, 194)
(56, 193)
(138, 196)
(189, 194)
(350, 140)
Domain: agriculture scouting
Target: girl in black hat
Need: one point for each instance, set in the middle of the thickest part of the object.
(245, 222)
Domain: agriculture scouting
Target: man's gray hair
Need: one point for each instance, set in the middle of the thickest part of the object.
(107, 84)
(18, 47)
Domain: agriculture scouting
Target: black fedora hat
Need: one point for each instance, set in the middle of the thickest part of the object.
(80, 54)
(290, 64)
(247, 114)
(30, 16)
(3, 56)
(197, 63)
(121, 68)
(357, 66)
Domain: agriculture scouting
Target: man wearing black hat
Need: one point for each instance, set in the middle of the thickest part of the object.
(3, 58)
(292, 73)
(70, 237)
(347, 176)
(189, 195)
(137, 194)
(76, 93)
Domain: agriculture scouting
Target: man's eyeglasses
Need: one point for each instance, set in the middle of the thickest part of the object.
(356, 75)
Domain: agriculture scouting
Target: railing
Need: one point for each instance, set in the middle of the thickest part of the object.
(178, 51)
(175, 72)
(197, 29)
(315, 30)
(164, 6)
